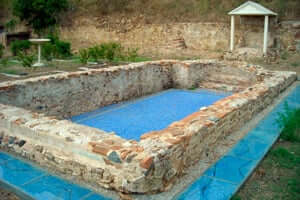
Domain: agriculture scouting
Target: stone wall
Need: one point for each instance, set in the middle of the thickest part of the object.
(169, 40)
(68, 94)
(159, 158)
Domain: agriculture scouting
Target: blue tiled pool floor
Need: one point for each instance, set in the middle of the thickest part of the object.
(132, 119)
(222, 180)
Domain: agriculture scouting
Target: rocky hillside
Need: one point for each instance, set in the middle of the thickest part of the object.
(168, 28)
(169, 11)
(160, 11)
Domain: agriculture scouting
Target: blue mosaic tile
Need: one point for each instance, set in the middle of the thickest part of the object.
(131, 120)
(269, 123)
(16, 172)
(96, 112)
(4, 157)
(50, 187)
(96, 197)
(294, 96)
(208, 189)
(249, 149)
(263, 136)
(231, 169)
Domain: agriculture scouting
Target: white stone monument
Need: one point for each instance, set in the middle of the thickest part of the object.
(251, 8)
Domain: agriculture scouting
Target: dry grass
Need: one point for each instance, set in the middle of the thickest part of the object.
(288, 62)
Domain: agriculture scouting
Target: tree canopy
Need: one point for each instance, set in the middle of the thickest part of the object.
(39, 14)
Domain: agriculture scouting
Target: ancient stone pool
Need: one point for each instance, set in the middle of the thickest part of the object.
(140, 146)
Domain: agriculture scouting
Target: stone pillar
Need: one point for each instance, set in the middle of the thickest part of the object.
(266, 34)
(232, 33)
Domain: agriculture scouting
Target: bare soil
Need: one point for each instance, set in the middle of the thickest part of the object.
(5, 195)
(275, 178)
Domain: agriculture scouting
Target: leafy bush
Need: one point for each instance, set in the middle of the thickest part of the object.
(48, 51)
(20, 46)
(84, 56)
(62, 49)
(290, 122)
(96, 53)
(26, 60)
(1, 50)
(112, 50)
(56, 48)
(108, 51)
(39, 14)
(132, 54)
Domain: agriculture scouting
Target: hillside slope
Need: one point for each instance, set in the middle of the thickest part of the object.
(169, 11)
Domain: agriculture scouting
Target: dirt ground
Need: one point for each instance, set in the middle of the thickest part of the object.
(14, 71)
(286, 62)
(5, 195)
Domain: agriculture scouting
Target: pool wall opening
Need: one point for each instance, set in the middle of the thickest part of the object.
(34, 121)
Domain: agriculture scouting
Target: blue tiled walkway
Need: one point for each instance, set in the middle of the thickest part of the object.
(35, 183)
(223, 179)
(132, 119)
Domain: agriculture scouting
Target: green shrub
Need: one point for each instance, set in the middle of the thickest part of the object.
(132, 54)
(84, 56)
(4, 62)
(63, 49)
(48, 51)
(1, 50)
(26, 60)
(112, 50)
(20, 46)
(56, 48)
(290, 122)
(109, 51)
(96, 53)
